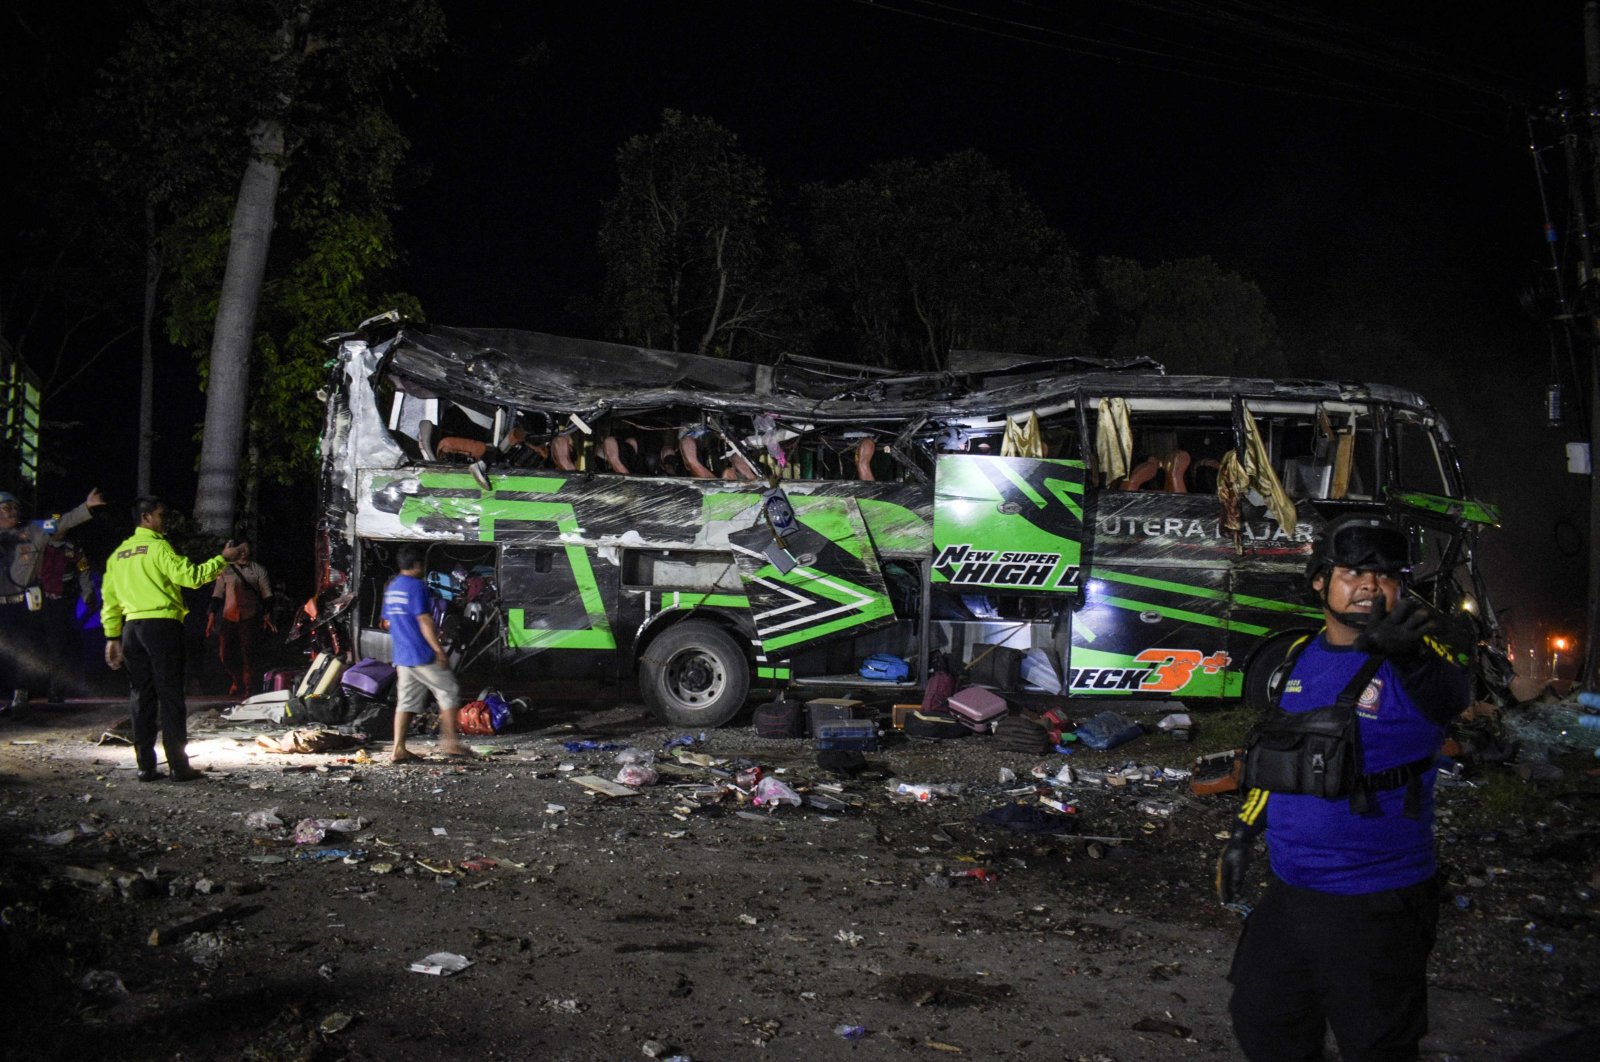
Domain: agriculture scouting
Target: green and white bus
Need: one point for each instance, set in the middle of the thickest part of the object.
(687, 529)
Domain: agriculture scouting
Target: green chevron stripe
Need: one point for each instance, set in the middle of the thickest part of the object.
(1183, 614)
(1264, 603)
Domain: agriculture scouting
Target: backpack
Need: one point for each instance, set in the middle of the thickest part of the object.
(781, 718)
(885, 667)
(474, 719)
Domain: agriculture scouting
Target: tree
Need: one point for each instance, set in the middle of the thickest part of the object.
(298, 87)
(923, 259)
(693, 259)
(1189, 315)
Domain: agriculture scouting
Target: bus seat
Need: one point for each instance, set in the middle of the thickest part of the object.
(1176, 467)
(864, 451)
(456, 445)
(561, 453)
(689, 450)
(612, 452)
(1140, 474)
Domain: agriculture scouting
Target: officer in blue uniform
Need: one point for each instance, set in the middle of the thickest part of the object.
(1341, 937)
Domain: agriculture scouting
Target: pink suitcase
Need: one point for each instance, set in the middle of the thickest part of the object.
(281, 678)
(978, 708)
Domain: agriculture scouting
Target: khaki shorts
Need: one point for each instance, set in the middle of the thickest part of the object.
(419, 684)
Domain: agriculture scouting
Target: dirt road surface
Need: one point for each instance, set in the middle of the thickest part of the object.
(658, 925)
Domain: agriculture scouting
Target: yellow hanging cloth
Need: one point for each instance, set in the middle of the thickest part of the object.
(1252, 471)
(1022, 438)
(1113, 440)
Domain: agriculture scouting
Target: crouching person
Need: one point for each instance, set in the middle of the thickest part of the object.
(419, 659)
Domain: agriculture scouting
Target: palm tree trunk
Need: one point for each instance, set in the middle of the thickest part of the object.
(147, 361)
(228, 382)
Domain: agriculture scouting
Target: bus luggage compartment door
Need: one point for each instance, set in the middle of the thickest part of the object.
(835, 589)
(1012, 524)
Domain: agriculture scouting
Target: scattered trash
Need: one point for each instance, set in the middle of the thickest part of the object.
(849, 937)
(1107, 730)
(590, 746)
(440, 831)
(631, 754)
(983, 874)
(638, 774)
(328, 855)
(1027, 818)
(172, 934)
(308, 740)
(565, 1006)
(337, 1022)
(104, 985)
(771, 791)
(850, 1032)
(440, 964)
(603, 786)
(263, 819)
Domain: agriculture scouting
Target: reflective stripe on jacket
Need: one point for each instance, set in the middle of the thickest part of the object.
(144, 580)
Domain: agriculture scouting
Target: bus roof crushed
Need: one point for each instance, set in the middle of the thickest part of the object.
(556, 374)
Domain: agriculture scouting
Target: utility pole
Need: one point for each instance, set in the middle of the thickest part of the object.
(1586, 321)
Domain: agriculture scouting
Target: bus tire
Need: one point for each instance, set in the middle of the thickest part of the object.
(694, 674)
(1262, 665)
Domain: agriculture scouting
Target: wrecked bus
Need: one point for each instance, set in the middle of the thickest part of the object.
(694, 528)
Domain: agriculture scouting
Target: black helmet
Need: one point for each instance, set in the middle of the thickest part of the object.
(1364, 543)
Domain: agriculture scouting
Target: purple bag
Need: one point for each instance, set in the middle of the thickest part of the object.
(369, 677)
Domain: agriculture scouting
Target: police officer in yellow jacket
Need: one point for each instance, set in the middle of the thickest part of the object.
(143, 620)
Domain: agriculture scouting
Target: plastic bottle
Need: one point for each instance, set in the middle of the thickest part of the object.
(923, 793)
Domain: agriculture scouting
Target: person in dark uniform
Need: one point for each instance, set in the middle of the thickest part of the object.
(1342, 935)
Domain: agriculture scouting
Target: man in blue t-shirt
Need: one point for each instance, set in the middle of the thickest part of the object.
(419, 659)
(1341, 938)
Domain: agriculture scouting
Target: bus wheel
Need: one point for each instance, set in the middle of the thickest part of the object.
(1259, 673)
(694, 674)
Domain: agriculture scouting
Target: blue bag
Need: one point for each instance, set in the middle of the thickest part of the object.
(885, 667)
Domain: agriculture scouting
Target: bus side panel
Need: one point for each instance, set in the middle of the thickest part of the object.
(1008, 523)
(835, 589)
(1152, 630)
(1155, 620)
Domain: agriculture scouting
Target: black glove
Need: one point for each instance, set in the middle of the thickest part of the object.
(1234, 862)
(1398, 634)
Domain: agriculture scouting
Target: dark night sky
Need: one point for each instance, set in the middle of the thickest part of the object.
(1141, 127)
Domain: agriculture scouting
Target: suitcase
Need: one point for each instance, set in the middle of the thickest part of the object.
(323, 677)
(780, 718)
(829, 710)
(370, 677)
(281, 678)
(977, 708)
(858, 734)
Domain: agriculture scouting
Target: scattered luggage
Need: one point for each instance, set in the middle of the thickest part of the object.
(978, 708)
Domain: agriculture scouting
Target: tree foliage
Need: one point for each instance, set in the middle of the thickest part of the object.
(694, 260)
(205, 77)
(1190, 315)
(925, 258)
